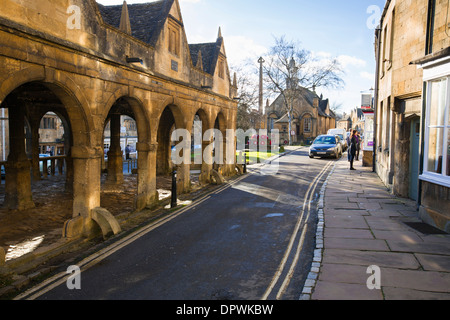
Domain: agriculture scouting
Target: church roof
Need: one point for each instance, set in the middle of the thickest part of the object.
(309, 97)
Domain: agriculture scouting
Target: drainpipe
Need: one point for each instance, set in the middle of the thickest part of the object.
(375, 103)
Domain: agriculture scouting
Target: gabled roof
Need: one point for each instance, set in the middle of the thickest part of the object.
(323, 104)
(146, 19)
(209, 54)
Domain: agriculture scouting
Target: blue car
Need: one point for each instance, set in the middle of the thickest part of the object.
(326, 146)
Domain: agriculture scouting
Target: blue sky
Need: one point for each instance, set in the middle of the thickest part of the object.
(328, 28)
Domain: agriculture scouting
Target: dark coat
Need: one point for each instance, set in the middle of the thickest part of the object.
(353, 143)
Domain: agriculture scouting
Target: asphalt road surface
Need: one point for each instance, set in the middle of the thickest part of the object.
(251, 239)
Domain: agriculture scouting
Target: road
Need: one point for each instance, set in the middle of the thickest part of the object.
(251, 239)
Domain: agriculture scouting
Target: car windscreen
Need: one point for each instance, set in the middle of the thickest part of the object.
(325, 140)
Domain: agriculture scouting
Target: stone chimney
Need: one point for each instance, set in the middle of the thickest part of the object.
(316, 102)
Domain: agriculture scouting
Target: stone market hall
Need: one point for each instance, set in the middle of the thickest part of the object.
(90, 64)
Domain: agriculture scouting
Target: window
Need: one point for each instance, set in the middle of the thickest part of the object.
(174, 39)
(221, 69)
(307, 125)
(437, 131)
(384, 57)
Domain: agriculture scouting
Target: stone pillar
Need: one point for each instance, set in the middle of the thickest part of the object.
(147, 195)
(69, 162)
(18, 178)
(230, 151)
(114, 177)
(205, 175)
(86, 190)
(184, 169)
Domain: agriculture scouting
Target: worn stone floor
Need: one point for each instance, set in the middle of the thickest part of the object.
(21, 231)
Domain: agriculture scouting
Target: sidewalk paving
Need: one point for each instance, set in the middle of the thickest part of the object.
(362, 224)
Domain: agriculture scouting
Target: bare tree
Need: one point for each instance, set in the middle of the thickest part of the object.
(247, 85)
(289, 70)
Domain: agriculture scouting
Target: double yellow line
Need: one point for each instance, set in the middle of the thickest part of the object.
(305, 208)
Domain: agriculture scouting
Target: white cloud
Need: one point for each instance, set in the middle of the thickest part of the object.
(367, 75)
(347, 61)
(240, 48)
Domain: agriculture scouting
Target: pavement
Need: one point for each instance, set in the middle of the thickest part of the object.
(365, 249)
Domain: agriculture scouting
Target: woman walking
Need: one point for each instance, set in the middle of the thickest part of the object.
(352, 148)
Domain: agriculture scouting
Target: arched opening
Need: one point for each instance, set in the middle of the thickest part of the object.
(36, 192)
(220, 143)
(124, 166)
(171, 119)
(200, 168)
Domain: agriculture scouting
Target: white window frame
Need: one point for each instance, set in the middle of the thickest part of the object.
(433, 72)
(307, 125)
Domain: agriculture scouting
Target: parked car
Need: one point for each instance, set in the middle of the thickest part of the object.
(342, 137)
(326, 146)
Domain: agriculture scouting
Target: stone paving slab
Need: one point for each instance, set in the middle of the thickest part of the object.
(432, 262)
(436, 248)
(415, 279)
(356, 244)
(354, 234)
(368, 258)
(346, 222)
(325, 290)
(412, 265)
(391, 293)
(401, 235)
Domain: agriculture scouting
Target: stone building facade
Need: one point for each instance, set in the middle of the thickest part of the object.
(311, 117)
(410, 34)
(90, 64)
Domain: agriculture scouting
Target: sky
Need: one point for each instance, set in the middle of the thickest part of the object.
(343, 29)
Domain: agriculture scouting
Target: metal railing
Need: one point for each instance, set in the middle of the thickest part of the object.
(48, 166)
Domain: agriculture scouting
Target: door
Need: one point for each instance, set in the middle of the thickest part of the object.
(414, 159)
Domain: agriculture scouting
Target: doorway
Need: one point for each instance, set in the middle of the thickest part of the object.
(414, 159)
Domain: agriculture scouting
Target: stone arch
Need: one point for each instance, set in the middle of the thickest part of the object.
(76, 105)
(40, 92)
(139, 112)
(220, 121)
(122, 103)
(172, 117)
(19, 78)
(202, 160)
